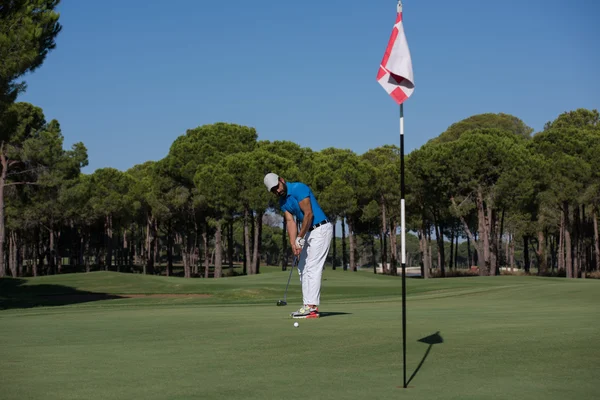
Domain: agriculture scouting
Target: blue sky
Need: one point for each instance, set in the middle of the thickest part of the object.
(129, 77)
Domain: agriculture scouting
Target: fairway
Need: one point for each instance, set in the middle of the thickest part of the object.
(468, 338)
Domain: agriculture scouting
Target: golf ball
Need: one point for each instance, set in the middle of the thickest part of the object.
(295, 324)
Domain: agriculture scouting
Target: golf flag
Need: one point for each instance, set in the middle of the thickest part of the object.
(395, 73)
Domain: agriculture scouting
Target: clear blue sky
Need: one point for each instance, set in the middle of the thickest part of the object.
(128, 77)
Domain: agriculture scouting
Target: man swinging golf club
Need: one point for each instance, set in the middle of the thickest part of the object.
(311, 245)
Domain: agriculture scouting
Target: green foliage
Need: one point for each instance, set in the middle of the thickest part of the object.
(109, 188)
(501, 121)
(40, 172)
(206, 145)
(289, 160)
(341, 181)
(28, 29)
(569, 147)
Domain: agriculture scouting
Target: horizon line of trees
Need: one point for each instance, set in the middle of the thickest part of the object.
(487, 180)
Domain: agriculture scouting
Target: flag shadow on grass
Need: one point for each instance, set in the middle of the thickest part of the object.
(436, 338)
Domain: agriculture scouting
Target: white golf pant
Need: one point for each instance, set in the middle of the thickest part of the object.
(312, 259)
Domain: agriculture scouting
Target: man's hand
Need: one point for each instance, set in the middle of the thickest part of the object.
(297, 250)
(297, 246)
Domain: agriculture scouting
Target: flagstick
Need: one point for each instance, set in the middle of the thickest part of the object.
(403, 241)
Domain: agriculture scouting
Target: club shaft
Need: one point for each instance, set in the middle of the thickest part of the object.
(289, 278)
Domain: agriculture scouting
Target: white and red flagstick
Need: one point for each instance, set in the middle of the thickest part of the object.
(395, 75)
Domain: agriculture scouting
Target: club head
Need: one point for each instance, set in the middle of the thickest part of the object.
(282, 303)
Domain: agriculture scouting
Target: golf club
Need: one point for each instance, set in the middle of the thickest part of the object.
(284, 301)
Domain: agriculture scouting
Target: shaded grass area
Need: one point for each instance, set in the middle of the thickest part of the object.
(264, 288)
(471, 338)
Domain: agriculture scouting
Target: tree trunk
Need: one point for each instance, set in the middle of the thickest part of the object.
(439, 236)
(344, 262)
(492, 221)
(109, 240)
(34, 256)
(230, 244)
(170, 252)
(86, 251)
(373, 254)
(4, 163)
(131, 249)
(456, 250)
(206, 250)
(156, 242)
(501, 256)
(334, 222)
(382, 251)
(252, 234)
(484, 262)
(218, 251)
(526, 253)
(541, 250)
(352, 245)
(50, 254)
(125, 256)
(479, 246)
(183, 241)
(40, 256)
(257, 242)
(424, 247)
(552, 243)
(568, 254)
(512, 253)
(596, 238)
(20, 257)
(577, 242)
(451, 248)
(469, 257)
(196, 259)
(429, 252)
(189, 254)
(507, 250)
(12, 250)
(149, 265)
(561, 243)
(56, 253)
(384, 228)
(247, 255)
(393, 249)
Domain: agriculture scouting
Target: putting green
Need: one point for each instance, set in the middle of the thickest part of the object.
(468, 338)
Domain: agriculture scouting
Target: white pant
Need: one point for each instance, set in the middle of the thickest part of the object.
(312, 259)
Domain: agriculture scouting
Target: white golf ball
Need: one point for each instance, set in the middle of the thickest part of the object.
(295, 324)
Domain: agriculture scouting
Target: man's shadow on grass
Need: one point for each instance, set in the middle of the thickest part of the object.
(436, 338)
(323, 314)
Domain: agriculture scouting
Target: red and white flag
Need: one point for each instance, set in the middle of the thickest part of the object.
(395, 73)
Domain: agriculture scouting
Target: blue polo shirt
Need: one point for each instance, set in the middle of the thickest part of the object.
(296, 192)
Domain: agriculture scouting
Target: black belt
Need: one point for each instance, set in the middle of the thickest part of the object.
(325, 221)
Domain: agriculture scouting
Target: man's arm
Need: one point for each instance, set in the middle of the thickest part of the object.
(292, 228)
(307, 222)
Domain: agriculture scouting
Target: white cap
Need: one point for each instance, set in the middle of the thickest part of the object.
(271, 180)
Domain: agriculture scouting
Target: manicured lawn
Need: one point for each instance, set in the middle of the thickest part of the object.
(482, 338)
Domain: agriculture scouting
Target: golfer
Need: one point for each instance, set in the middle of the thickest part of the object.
(296, 199)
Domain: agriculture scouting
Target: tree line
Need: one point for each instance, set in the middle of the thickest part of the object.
(488, 183)
(486, 180)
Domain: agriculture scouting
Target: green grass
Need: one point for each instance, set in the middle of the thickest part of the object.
(503, 337)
